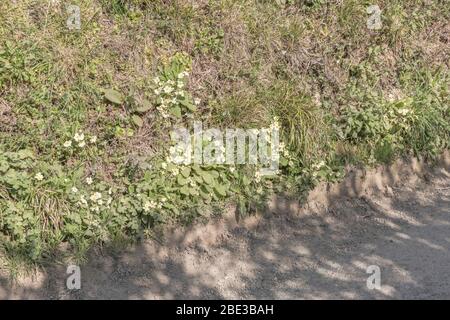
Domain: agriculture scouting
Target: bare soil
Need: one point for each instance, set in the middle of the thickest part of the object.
(396, 217)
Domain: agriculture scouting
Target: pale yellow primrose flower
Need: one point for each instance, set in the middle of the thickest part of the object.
(78, 137)
(168, 89)
(39, 176)
(83, 200)
(95, 196)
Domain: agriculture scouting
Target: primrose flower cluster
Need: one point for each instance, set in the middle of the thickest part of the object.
(149, 205)
(171, 94)
(282, 150)
(39, 176)
(94, 200)
(320, 171)
(79, 140)
(175, 171)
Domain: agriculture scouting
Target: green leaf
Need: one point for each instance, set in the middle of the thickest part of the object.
(197, 169)
(186, 172)
(146, 106)
(188, 105)
(185, 190)
(176, 111)
(181, 181)
(198, 179)
(193, 191)
(24, 154)
(220, 190)
(207, 178)
(214, 173)
(113, 96)
(171, 166)
(4, 166)
(137, 120)
(205, 195)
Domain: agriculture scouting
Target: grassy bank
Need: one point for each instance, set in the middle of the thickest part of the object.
(85, 114)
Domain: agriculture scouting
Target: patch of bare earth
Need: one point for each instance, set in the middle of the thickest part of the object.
(396, 217)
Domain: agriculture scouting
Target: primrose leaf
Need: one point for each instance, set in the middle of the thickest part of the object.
(137, 120)
(113, 96)
(146, 106)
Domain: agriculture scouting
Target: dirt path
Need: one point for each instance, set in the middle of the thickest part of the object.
(322, 252)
